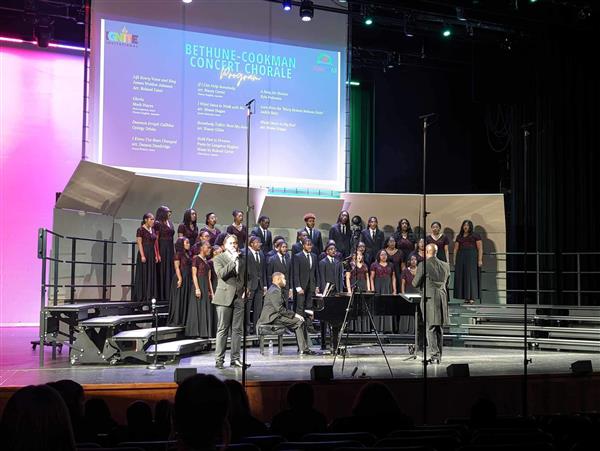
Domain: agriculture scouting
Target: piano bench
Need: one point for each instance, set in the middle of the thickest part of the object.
(267, 330)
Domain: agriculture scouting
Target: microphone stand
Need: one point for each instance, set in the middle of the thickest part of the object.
(425, 118)
(249, 113)
(155, 365)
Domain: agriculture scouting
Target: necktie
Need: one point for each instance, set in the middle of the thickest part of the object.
(256, 257)
(343, 229)
(310, 233)
(330, 259)
(282, 258)
(373, 234)
(309, 261)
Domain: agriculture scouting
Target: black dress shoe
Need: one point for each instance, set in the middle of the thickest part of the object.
(307, 352)
(435, 360)
(239, 364)
(219, 366)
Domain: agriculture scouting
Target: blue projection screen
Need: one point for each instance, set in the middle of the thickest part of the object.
(172, 102)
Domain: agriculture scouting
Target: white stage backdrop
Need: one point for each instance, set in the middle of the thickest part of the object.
(169, 84)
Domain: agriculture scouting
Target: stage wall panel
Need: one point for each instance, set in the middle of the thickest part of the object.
(40, 146)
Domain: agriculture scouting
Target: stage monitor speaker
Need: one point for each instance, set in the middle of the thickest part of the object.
(182, 374)
(321, 373)
(582, 367)
(458, 370)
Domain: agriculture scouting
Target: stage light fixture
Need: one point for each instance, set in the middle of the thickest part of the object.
(186, 1)
(368, 21)
(43, 31)
(446, 31)
(307, 10)
(287, 5)
(460, 13)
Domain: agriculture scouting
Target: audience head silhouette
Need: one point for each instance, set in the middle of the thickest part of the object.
(37, 418)
(375, 399)
(300, 396)
(201, 408)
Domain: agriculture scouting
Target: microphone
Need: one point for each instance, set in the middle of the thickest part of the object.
(153, 302)
(250, 103)
(354, 371)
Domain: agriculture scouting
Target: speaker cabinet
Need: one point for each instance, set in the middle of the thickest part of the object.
(182, 374)
(321, 373)
(458, 370)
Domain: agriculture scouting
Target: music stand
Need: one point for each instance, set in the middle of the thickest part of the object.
(354, 289)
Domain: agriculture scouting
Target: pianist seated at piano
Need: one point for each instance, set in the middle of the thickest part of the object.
(276, 313)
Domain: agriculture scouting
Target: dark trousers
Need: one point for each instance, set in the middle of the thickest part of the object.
(304, 301)
(299, 328)
(435, 340)
(254, 307)
(229, 319)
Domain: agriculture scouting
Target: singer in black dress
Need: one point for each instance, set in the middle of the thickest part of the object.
(238, 228)
(406, 324)
(144, 289)
(440, 240)
(165, 231)
(419, 252)
(359, 274)
(201, 319)
(383, 281)
(405, 238)
(395, 256)
(181, 287)
(468, 259)
(189, 227)
(216, 250)
(210, 227)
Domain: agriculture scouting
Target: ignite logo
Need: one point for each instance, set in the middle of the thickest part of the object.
(324, 59)
(122, 37)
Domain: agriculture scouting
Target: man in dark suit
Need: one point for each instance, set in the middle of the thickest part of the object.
(342, 234)
(262, 231)
(229, 301)
(373, 237)
(281, 262)
(435, 308)
(306, 279)
(276, 313)
(257, 282)
(331, 271)
(301, 235)
(315, 236)
(273, 251)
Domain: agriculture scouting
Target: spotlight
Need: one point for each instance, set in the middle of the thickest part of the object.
(186, 1)
(368, 21)
(307, 10)
(460, 13)
(287, 5)
(446, 31)
(43, 31)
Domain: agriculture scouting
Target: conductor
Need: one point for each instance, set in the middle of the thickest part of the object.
(436, 305)
(275, 313)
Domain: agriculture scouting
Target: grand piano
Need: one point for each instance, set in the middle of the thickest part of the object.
(332, 309)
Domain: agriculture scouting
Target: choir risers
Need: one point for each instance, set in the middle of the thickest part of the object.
(174, 349)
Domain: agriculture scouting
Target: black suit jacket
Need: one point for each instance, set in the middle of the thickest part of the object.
(343, 241)
(332, 273)
(257, 272)
(373, 246)
(267, 242)
(304, 275)
(274, 306)
(317, 240)
(274, 265)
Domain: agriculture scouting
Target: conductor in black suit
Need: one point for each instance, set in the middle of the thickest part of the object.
(276, 313)
(281, 262)
(372, 237)
(315, 236)
(306, 279)
(264, 234)
(341, 234)
(257, 282)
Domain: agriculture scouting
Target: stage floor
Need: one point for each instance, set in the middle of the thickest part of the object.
(19, 364)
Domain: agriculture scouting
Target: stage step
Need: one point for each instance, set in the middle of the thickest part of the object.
(147, 334)
(547, 343)
(178, 348)
(115, 320)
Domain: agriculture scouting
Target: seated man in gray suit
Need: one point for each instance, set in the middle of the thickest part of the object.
(435, 309)
(229, 300)
(276, 313)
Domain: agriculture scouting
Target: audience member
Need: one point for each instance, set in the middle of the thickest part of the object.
(36, 418)
(301, 417)
(200, 413)
(483, 413)
(163, 419)
(375, 410)
(73, 396)
(242, 423)
(97, 416)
